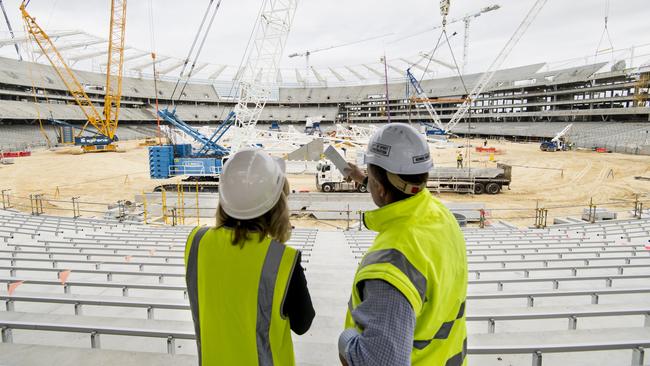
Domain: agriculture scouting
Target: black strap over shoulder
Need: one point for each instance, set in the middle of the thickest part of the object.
(191, 280)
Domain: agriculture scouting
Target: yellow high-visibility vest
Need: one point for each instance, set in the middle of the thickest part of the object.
(420, 250)
(237, 294)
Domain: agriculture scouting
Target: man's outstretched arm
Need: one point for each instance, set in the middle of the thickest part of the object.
(388, 323)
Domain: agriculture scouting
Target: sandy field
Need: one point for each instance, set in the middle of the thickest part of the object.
(568, 184)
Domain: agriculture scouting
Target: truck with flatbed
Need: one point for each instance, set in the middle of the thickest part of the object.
(470, 180)
(441, 179)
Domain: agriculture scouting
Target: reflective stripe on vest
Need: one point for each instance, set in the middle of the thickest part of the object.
(420, 233)
(264, 302)
(444, 330)
(191, 280)
(399, 260)
(459, 358)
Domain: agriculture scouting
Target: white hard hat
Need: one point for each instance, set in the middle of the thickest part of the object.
(399, 149)
(251, 184)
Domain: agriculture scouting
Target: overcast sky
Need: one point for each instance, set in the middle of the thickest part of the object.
(564, 29)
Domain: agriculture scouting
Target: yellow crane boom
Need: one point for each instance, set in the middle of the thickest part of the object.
(114, 66)
(106, 124)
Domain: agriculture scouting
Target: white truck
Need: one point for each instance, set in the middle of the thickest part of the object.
(329, 179)
(441, 179)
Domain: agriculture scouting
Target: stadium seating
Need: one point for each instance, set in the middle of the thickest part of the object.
(563, 273)
(581, 287)
(617, 137)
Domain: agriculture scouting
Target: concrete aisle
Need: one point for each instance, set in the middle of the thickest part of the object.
(329, 276)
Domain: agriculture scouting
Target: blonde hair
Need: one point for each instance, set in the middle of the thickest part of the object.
(275, 223)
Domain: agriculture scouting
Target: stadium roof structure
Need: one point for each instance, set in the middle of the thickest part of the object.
(84, 51)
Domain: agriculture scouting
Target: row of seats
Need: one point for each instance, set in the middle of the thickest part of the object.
(618, 137)
(122, 286)
(565, 272)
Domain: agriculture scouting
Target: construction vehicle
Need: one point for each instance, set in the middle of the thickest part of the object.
(275, 126)
(329, 179)
(312, 126)
(65, 135)
(431, 130)
(200, 164)
(441, 179)
(557, 143)
(106, 123)
(470, 180)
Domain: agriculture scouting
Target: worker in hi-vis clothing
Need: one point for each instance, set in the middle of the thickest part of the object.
(408, 296)
(247, 289)
(459, 160)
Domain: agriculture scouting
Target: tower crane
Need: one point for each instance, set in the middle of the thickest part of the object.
(308, 53)
(467, 19)
(105, 125)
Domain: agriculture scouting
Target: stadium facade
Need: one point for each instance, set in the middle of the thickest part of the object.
(522, 101)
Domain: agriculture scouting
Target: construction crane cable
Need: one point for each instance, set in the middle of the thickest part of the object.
(243, 57)
(11, 31)
(155, 73)
(453, 56)
(486, 77)
(189, 54)
(49, 18)
(605, 32)
(433, 52)
(200, 49)
(30, 54)
(310, 52)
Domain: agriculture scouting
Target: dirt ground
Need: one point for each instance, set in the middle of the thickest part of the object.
(563, 182)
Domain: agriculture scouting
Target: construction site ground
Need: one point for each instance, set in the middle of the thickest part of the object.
(563, 182)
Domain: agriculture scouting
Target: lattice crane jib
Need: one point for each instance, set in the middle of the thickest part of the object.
(68, 78)
(114, 66)
(262, 62)
(486, 78)
(423, 99)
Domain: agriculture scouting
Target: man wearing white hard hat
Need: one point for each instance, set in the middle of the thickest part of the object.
(247, 289)
(408, 296)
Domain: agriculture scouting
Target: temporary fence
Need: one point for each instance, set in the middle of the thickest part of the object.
(180, 207)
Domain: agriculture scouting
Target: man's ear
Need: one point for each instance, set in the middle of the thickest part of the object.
(382, 192)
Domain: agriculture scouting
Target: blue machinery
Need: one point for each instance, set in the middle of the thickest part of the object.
(432, 129)
(275, 126)
(65, 135)
(172, 160)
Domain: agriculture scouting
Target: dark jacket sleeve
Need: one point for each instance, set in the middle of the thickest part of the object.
(297, 304)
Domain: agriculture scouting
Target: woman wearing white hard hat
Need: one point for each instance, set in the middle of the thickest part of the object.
(408, 296)
(247, 289)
